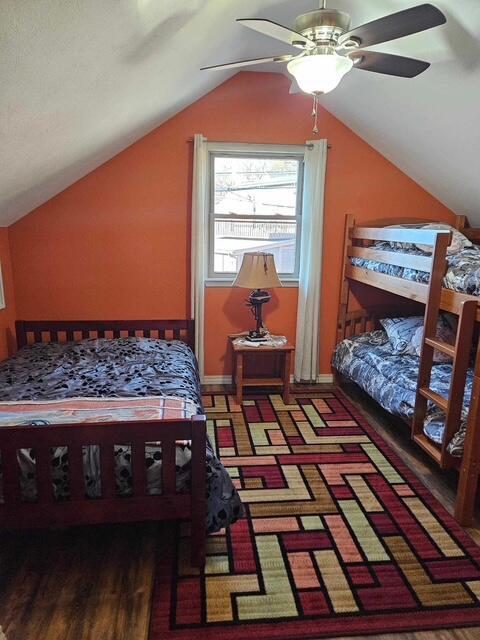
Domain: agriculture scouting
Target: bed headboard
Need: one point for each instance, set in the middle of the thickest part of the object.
(358, 321)
(32, 331)
(472, 233)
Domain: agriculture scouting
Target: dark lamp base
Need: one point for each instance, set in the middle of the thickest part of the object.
(256, 300)
(256, 336)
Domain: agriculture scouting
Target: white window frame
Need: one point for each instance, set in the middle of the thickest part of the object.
(3, 303)
(235, 149)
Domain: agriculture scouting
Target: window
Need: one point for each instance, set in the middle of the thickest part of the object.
(2, 295)
(255, 204)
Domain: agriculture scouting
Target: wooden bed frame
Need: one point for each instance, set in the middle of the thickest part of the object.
(358, 242)
(79, 509)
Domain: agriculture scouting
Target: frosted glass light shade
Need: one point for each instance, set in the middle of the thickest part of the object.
(319, 73)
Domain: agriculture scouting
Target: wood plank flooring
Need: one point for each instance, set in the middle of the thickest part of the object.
(95, 583)
(84, 583)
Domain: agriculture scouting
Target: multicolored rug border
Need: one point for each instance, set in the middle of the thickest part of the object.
(314, 627)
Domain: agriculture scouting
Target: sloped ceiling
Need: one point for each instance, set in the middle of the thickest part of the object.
(82, 79)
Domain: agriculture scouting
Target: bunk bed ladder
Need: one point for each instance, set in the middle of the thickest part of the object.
(451, 406)
(469, 468)
(424, 393)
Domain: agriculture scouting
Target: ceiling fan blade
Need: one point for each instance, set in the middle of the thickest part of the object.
(388, 64)
(277, 31)
(396, 25)
(244, 63)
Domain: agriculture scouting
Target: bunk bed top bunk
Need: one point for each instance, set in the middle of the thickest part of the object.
(365, 250)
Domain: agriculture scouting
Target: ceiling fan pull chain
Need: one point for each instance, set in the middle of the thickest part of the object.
(315, 113)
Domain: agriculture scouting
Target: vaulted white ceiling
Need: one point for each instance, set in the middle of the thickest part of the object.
(82, 79)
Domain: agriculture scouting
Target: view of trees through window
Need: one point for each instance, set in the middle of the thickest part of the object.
(255, 208)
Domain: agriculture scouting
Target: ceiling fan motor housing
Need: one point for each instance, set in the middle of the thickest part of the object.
(323, 25)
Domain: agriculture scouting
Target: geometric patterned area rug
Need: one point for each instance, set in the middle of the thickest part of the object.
(339, 538)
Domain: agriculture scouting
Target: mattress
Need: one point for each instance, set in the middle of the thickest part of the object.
(462, 275)
(391, 380)
(123, 368)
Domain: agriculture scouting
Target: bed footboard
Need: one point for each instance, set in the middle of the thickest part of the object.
(78, 508)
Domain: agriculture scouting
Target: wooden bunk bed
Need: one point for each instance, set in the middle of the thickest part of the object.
(15, 512)
(359, 242)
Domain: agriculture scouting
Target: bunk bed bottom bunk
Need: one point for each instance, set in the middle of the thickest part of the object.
(391, 380)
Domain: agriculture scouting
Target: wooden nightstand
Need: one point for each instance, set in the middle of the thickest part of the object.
(282, 359)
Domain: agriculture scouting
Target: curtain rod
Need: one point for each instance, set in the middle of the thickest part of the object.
(309, 146)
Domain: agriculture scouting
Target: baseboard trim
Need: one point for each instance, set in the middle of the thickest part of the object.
(325, 378)
(322, 378)
(217, 380)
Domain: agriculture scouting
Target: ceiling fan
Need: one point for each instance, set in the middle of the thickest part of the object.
(330, 49)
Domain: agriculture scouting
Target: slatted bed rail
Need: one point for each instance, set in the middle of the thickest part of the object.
(359, 242)
(34, 331)
(361, 245)
(78, 508)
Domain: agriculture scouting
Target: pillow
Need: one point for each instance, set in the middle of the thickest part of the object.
(444, 333)
(401, 246)
(400, 332)
(459, 241)
(452, 321)
(405, 335)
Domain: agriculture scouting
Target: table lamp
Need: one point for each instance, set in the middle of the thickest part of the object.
(258, 273)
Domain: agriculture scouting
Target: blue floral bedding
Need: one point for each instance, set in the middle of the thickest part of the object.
(463, 272)
(391, 380)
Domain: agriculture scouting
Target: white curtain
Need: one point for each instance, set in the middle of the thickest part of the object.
(309, 289)
(199, 229)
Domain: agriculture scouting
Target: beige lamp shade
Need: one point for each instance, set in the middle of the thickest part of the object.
(257, 272)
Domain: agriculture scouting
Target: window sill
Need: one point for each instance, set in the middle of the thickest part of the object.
(213, 282)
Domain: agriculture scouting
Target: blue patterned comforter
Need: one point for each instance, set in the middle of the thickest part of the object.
(463, 272)
(391, 380)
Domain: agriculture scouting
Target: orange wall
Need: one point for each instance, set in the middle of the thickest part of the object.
(116, 243)
(7, 315)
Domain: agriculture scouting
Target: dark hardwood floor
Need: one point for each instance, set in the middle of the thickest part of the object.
(84, 582)
(95, 583)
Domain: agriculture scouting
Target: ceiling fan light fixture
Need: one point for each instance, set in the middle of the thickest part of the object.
(319, 73)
